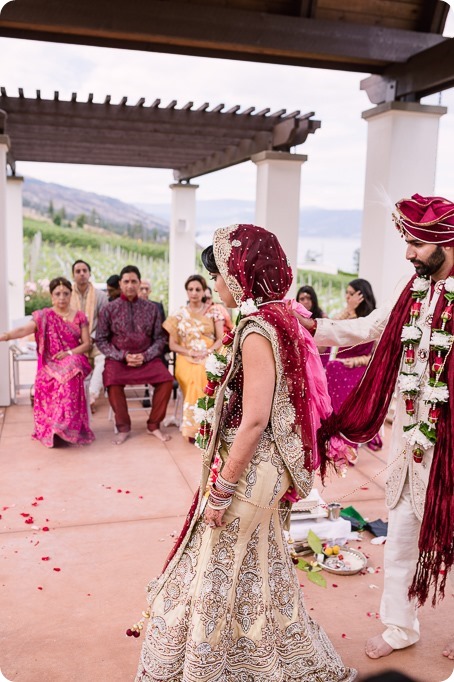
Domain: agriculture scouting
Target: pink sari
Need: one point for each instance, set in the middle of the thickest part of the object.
(60, 407)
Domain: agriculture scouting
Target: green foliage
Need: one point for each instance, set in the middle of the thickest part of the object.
(314, 542)
(53, 255)
(330, 289)
(37, 301)
(84, 239)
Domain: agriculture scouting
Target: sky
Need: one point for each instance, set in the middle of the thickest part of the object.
(333, 176)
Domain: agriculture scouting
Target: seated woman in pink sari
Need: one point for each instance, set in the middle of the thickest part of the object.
(60, 407)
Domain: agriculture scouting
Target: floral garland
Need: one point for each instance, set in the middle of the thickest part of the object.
(423, 434)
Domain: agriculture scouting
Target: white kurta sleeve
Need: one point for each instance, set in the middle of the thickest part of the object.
(361, 329)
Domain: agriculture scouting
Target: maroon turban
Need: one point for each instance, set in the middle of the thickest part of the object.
(428, 219)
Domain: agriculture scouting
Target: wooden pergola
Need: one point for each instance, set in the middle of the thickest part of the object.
(190, 141)
(398, 41)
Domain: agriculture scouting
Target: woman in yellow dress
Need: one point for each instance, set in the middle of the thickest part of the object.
(194, 333)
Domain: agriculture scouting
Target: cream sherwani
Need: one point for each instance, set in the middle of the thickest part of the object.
(407, 481)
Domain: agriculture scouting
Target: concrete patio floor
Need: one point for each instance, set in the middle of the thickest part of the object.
(69, 593)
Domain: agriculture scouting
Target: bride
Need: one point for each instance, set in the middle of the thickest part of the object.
(228, 606)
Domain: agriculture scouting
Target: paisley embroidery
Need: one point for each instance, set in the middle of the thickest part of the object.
(419, 494)
(222, 249)
(393, 485)
(262, 454)
(278, 576)
(178, 584)
(248, 593)
(217, 579)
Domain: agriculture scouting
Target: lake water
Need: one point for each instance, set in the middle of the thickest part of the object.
(329, 252)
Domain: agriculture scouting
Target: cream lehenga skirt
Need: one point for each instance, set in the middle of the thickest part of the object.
(232, 608)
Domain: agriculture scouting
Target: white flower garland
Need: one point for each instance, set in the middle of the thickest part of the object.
(248, 307)
(421, 435)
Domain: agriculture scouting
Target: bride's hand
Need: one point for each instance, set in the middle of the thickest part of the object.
(213, 517)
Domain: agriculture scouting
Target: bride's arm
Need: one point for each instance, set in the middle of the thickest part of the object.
(258, 390)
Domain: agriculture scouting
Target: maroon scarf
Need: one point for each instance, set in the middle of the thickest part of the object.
(256, 269)
(361, 417)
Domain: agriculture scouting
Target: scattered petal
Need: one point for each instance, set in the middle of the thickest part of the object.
(29, 520)
(45, 558)
(24, 514)
(127, 492)
(35, 527)
(140, 497)
(40, 498)
(374, 587)
(369, 569)
(119, 490)
(378, 541)
(57, 570)
(39, 587)
(45, 528)
(88, 594)
(364, 487)
(335, 585)
(344, 636)
(37, 543)
(34, 504)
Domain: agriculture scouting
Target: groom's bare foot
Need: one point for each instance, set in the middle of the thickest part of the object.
(157, 433)
(376, 647)
(120, 438)
(448, 651)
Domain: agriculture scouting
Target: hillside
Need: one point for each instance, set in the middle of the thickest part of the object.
(98, 210)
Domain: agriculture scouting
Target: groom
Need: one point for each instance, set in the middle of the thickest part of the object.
(419, 551)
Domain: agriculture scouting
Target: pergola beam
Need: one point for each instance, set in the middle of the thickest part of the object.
(190, 141)
(427, 72)
(215, 31)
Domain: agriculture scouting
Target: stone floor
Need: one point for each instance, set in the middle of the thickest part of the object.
(68, 593)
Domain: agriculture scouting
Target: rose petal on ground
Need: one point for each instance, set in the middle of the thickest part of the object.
(45, 558)
(335, 585)
(140, 497)
(57, 570)
(40, 498)
(29, 520)
(119, 490)
(39, 587)
(45, 528)
(344, 636)
(24, 514)
(34, 504)
(127, 492)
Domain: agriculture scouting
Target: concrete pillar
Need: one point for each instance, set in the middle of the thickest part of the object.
(401, 160)
(277, 206)
(15, 240)
(5, 388)
(181, 242)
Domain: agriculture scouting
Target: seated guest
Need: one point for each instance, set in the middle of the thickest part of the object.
(194, 333)
(131, 336)
(113, 287)
(145, 292)
(62, 338)
(89, 300)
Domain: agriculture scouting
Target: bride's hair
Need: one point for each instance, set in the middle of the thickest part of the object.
(208, 259)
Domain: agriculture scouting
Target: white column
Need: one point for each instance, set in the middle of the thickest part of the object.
(182, 242)
(15, 238)
(402, 145)
(5, 389)
(277, 202)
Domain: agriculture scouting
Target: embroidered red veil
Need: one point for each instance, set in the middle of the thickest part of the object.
(258, 275)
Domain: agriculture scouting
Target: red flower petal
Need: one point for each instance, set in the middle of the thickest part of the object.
(57, 569)
(127, 492)
(344, 636)
(29, 520)
(45, 558)
(34, 504)
(140, 497)
(24, 515)
(39, 587)
(119, 490)
(45, 528)
(334, 585)
(39, 498)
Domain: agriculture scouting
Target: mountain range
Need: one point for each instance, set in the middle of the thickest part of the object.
(154, 219)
